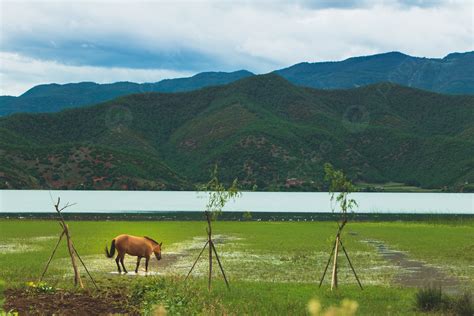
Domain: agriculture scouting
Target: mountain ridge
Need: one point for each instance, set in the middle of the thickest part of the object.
(452, 74)
(55, 97)
(262, 129)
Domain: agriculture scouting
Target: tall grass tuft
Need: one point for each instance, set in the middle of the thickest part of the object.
(2, 288)
(433, 299)
(429, 299)
(462, 305)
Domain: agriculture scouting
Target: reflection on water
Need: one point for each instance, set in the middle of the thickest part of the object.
(120, 201)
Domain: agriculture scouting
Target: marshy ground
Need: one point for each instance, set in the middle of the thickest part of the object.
(273, 267)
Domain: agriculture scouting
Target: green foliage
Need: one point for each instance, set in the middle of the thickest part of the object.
(218, 194)
(170, 295)
(339, 188)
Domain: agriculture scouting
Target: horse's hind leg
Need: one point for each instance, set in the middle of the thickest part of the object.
(118, 265)
(123, 266)
(138, 263)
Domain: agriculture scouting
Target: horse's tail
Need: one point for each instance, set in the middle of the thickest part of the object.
(112, 250)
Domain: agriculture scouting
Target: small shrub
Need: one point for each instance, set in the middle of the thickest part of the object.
(159, 296)
(432, 299)
(2, 286)
(247, 216)
(462, 305)
(429, 299)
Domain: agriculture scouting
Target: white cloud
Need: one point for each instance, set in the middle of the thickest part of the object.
(19, 73)
(260, 36)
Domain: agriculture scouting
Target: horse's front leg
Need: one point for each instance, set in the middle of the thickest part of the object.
(138, 263)
(123, 266)
(146, 263)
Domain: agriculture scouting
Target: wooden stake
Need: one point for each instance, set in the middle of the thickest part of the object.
(209, 232)
(207, 242)
(85, 267)
(327, 264)
(220, 265)
(77, 276)
(212, 249)
(71, 249)
(335, 252)
(350, 263)
(51, 257)
(334, 268)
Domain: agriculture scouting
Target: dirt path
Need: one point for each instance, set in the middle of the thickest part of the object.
(414, 273)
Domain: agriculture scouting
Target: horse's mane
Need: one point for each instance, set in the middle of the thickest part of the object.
(152, 240)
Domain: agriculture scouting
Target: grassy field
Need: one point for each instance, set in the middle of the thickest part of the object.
(274, 267)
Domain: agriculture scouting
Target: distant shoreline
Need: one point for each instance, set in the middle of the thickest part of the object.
(236, 216)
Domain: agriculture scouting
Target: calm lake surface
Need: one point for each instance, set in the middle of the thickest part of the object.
(133, 201)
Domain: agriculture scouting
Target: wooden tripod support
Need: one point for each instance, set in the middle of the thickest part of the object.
(71, 249)
(335, 252)
(212, 249)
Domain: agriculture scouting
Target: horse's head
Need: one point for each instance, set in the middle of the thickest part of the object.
(157, 251)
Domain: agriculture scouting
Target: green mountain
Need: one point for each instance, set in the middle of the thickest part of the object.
(262, 129)
(56, 97)
(452, 74)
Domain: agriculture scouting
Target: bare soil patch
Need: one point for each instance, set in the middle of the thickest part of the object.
(66, 303)
(414, 273)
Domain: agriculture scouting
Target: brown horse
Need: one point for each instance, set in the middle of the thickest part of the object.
(134, 246)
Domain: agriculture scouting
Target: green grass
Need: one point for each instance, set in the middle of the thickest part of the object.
(274, 267)
(392, 187)
(264, 298)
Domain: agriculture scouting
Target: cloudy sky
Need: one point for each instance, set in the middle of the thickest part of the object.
(108, 41)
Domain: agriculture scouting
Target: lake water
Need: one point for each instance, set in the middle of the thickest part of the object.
(132, 201)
